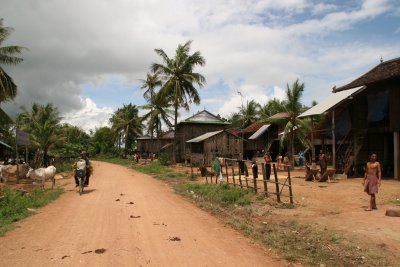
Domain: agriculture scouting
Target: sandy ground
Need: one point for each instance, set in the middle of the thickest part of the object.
(340, 205)
(126, 218)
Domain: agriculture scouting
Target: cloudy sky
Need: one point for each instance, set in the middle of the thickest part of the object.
(87, 56)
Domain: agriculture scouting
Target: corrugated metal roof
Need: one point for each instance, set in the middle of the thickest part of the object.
(330, 102)
(259, 132)
(203, 137)
(4, 144)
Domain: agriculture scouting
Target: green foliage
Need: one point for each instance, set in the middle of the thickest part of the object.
(64, 165)
(126, 126)
(102, 141)
(42, 124)
(71, 141)
(249, 113)
(221, 194)
(8, 56)
(165, 159)
(14, 205)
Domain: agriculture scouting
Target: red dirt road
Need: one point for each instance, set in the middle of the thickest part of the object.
(159, 229)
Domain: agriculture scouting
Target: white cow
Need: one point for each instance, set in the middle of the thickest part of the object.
(42, 174)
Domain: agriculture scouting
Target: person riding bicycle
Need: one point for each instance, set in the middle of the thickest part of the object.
(83, 160)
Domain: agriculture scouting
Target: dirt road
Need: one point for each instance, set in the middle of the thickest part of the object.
(126, 218)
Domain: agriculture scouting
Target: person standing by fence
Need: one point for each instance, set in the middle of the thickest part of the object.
(268, 160)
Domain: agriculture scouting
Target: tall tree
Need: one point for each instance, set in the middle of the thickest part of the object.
(127, 125)
(42, 124)
(249, 113)
(149, 85)
(71, 141)
(159, 114)
(8, 56)
(180, 79)
(295, 128)
(272, 107)
(102, 141)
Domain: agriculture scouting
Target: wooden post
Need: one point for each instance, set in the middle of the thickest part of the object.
(312, 140)
(333, 140)
(26, 155)
(226, 170)
(396, 144)
(247, 177)
(278, 197)
(240, 177)
(264, 179)
(233, 174)
(17, 156)
(255, 184)
(191, 169)
(290, 188)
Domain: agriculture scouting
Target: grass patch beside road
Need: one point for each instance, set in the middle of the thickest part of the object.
(114, 160)
(14, 205)
(223, 195)
(160, 171)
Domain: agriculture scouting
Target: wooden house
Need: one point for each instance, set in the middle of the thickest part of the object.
(223, 143)
(194, 126)
(146, 144)
(363, 117)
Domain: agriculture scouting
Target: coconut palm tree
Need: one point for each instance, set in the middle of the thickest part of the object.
(295, 128)
(150, 84)
(272, 107)
(126, 125)
(8, 56)
(42, 124)
(159, 114)
(180, 79)
(249, 113)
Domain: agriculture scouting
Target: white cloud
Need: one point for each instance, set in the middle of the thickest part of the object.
(254, 46)
(89, 117)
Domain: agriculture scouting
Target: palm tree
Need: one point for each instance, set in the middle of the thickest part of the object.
(180, 79)
(126, 125)
(152, 81)
(159, 113)
(272, 107)
(295, 128)
(8, 89)
(249, 113)
(42, 125)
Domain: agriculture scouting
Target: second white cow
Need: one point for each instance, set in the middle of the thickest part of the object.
(43, 174)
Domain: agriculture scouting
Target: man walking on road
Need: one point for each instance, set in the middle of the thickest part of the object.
(372, 180)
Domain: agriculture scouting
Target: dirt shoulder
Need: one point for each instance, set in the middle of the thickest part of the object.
(126, 218)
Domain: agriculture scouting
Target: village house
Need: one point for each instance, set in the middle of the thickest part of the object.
(222, 143)
(194, 126)
(146, 144)
(363, 117)
(261, 137)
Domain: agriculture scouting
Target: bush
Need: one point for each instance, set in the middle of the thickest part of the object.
(165, 159)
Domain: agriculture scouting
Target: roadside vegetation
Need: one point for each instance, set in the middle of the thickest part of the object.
(160, 171)
(17, 205)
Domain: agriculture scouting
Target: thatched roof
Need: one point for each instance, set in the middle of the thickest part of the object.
(384, 71)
